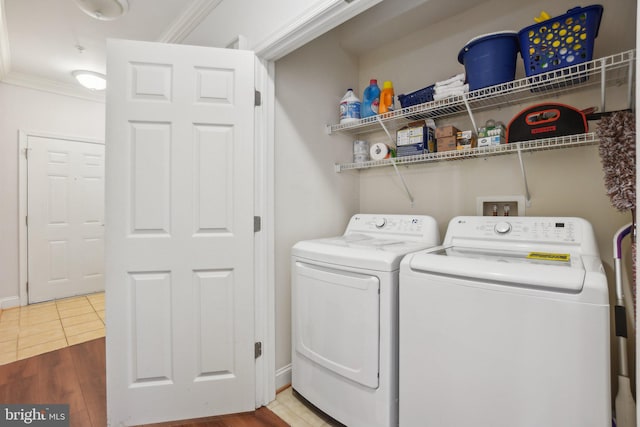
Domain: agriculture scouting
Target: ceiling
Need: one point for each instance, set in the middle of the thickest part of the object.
(43, 41)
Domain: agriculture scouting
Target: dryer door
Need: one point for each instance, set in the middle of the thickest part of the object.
(337, 316)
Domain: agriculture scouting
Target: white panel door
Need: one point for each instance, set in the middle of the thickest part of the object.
(65, 218)
(179, 232)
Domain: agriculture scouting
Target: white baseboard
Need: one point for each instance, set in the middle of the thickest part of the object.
(283, 376)
(9, 302)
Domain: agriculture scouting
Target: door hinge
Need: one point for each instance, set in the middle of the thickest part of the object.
(258, 349)
(257, 224)
(26, 153)
(26, 221)
(257, 98)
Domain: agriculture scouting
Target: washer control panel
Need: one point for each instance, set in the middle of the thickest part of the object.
(539, 229)
(412, 227)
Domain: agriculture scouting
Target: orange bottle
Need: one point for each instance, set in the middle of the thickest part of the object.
(386, 98)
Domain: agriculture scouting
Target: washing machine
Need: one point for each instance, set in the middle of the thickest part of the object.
(506, 325)
(345, 316)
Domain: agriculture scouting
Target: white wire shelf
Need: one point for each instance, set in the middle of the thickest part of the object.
(525, 146)
(611, 70)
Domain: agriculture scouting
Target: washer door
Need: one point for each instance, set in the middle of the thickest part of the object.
(337, 315)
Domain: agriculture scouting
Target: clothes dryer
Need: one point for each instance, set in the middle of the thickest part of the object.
(506, 325)
(345, 316)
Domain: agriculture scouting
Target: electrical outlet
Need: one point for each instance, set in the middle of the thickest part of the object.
(500, 206)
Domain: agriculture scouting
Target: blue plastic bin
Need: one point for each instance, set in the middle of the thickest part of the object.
(490, 59)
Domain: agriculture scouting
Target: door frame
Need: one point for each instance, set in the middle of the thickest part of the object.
(264, 242)
(323, 17)
(23, 188)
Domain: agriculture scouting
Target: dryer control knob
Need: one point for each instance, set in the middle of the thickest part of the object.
(381, 222)
(502, 228)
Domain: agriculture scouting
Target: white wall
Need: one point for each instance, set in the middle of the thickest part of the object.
(562, 182)
(311, 200)
(36, 111)
(431, 53)
(566, 182)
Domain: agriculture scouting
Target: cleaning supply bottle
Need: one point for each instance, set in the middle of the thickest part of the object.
(386, 98)
(349, 107)
(370, 99)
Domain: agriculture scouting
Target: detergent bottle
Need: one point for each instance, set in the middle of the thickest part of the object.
(349, 107)
(386, 98)
(370, 99)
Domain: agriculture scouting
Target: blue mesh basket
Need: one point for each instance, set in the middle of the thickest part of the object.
(418, 97)
(560, 42)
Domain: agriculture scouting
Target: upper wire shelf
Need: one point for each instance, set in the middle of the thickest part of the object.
(611, 70)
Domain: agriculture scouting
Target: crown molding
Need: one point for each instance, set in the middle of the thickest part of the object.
(5, 54)
(324, 16)
(46, 85)
(188, 21)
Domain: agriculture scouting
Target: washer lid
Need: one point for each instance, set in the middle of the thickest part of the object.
(562, 272)
(359, 251)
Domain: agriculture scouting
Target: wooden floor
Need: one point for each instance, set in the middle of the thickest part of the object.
(75, 375)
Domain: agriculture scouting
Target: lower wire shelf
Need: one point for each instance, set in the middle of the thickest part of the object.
(525, 146)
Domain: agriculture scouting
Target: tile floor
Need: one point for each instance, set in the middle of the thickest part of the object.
(39, 328)
(294, 412)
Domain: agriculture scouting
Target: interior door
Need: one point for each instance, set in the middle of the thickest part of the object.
(179, 232)
(65, 218)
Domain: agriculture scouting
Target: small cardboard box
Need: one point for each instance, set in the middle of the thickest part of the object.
(464, 134)
(465, 140)
(465, 144)
(446, 143)
(414, 135)
(491, 140)
(446, 131)
(409, 136)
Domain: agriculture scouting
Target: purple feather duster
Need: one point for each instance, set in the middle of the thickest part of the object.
(617, 134)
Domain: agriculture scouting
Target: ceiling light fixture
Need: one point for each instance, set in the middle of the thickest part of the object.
(90, 79)
(104, 10)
